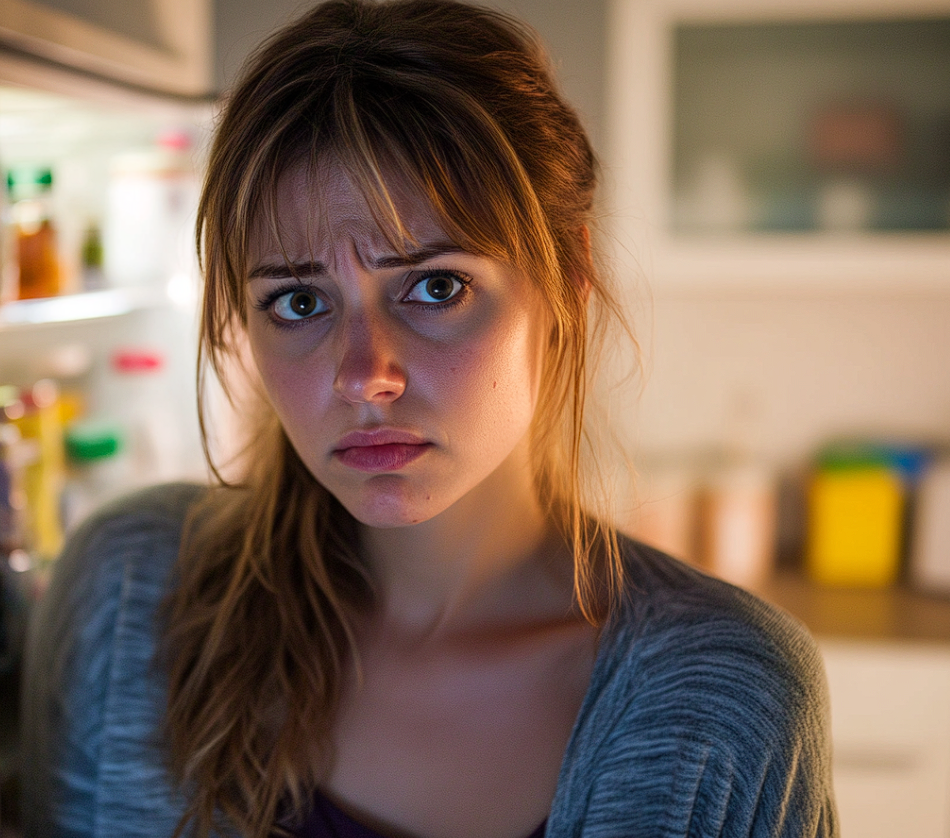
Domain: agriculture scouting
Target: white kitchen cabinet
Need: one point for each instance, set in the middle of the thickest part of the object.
(703, 206)
(890, 708)
(887, 657)
(155, 45)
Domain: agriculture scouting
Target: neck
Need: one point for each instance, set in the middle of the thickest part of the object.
(478, 562)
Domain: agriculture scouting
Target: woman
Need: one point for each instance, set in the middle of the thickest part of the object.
(408, 619)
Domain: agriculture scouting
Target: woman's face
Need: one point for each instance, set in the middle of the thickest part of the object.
(402, 383)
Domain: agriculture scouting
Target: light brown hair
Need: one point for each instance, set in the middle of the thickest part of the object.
(460, 101)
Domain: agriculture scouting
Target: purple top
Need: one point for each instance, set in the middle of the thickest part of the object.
(327, 820)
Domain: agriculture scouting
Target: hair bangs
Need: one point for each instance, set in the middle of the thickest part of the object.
(454, 156)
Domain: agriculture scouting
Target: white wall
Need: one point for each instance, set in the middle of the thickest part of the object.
(798, 368)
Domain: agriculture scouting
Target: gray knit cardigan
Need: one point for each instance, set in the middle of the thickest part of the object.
(706, 713)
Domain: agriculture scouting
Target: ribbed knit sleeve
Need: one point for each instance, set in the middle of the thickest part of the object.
(93, 700)
(707, 715)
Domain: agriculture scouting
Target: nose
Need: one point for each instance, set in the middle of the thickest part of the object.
(369, 371)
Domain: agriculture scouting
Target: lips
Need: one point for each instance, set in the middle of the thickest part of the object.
(380, 450)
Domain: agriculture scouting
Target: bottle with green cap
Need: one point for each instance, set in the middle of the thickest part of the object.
(35, 247)
(98, 469)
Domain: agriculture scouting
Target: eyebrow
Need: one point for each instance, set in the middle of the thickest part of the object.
(284, 270)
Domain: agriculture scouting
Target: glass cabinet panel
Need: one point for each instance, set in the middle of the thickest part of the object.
(839, 126)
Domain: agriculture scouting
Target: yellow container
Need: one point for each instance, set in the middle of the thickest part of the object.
(41, 427)
(855, 519)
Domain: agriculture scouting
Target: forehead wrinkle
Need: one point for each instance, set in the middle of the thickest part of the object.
(321, 209)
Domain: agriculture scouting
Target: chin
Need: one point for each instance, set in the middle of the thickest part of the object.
(384, 507)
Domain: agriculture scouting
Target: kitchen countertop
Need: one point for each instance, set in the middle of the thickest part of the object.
(886, 614)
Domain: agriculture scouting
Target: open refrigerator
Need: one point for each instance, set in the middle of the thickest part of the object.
(98, 324)
(97, 356)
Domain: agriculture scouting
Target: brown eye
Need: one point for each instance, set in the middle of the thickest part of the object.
(303, 303)
(436, 288)
(440, 287)
(298, 305)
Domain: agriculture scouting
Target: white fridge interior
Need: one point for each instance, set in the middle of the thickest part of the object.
(116, 344)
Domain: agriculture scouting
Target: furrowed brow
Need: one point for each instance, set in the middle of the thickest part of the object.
(417, 257)
(303, 270)
(287, 270)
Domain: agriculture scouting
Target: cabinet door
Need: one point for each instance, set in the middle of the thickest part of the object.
(890, 710)
(157, 45)
(783, 144)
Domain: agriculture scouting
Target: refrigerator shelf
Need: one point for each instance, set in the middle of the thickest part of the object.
(89, 305)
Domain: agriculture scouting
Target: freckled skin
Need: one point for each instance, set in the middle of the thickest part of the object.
(464, 378)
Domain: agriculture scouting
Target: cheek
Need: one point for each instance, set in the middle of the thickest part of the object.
(492, 382)
(293, 384)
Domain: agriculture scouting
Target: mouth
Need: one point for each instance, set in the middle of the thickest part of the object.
(380, 450)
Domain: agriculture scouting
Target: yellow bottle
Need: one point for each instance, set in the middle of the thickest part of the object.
(42, 426)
